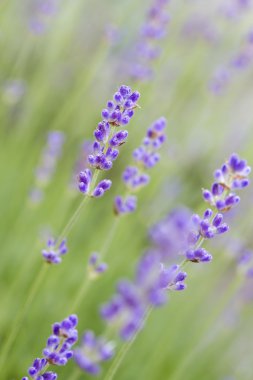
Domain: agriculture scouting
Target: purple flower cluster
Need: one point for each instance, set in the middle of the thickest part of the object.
(46, 169)
(105, 150)
(146, 156)
(42, 12)
(82, 161)
(147, 49)
(232, 176)
(245, 263)
(153, 280)
(53, 254)
(240, 62)
(233, 8)
(58, 349)
(95, 267)
(92, 352)
(180, 233)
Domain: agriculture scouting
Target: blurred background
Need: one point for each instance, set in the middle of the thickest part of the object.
(60, 62)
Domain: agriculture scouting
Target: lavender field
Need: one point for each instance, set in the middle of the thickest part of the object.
(126, 198)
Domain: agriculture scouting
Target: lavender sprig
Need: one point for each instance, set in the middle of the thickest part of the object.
(92, 352)
(239, 63)
(147, 49)
(118, 113)
(146, 157)
(47, 166)
(57, 351)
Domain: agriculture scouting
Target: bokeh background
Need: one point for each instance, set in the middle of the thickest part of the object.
(60, 63)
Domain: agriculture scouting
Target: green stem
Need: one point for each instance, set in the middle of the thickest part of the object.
(124, 350)
(66, 230)
(21, 315)
(109, 238)
(82, 291)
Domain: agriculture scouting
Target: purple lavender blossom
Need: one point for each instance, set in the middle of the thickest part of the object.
(170, 235)
(245, 263)
(47, 166)
(152, 282)
(82, 161)
(125, 206)
(145, 157)
(42, 12)
(232, 176)
(92, 352)
(58, 349)
(240, 62)
(101, 188)
(147, 50)
(105, 150)
(206, 227)
(95, 267)
(13, 90)
(53, 254)
(35, 371)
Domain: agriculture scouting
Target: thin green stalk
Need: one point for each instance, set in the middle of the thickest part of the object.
(124, 350)
(82, 291)
(109, 237)
(17, 323)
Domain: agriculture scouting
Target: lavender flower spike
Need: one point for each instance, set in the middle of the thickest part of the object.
(105, 148)
(92, 352)
(146, 157)
(58, 350)
(232, 176)
(95, 267)
(53, 254)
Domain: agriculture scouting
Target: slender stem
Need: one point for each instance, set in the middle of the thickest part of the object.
(124, 350)
(82, 291)
(22, 314)
(72, 220)
(68, 227)
(109, 238)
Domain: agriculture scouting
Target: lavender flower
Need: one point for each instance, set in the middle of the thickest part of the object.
(232, 176)
(145, 157)
(245, 263)
(53, 254)
(47, 166)
(42, 12)
(92, 352)
(146, 49)
(152, 282)
(118, 113)
(170, 235)
(82, 161)
(101, 188)
(35, 371)
(207, 227)
(58, 349)
(95, 267)
(241, 61)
